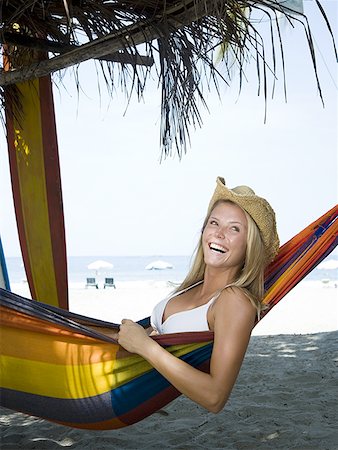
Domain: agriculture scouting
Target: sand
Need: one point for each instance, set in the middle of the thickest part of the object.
(285, 396)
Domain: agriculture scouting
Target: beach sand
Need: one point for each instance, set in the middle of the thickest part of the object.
(285, 396)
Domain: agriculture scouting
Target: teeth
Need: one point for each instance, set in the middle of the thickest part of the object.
(217, 248)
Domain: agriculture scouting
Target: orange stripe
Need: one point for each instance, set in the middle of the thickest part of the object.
(65, 350)
(304, 263)
(41, 336)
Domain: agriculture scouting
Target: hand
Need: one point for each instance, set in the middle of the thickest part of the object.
(132, 336)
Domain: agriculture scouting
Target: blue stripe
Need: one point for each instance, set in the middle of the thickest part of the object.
(131, 395)
(4, 268)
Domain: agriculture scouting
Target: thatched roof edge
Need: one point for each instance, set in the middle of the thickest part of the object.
(181, 37)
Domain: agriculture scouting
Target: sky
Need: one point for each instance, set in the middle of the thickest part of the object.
(121, 199)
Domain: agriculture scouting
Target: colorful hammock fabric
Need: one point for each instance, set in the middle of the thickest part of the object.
(55, 366)
(36, 185)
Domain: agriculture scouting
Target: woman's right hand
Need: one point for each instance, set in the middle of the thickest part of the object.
(132, 336)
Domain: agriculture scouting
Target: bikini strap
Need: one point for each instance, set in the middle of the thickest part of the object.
(218, 293)
(187, 288)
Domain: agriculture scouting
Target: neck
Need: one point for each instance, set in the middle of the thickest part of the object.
(215, 279)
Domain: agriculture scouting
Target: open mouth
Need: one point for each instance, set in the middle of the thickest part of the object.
(217, 248)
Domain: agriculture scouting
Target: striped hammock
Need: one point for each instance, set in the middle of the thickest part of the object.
(55, 366)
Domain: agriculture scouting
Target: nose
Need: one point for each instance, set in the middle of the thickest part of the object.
(220, 233)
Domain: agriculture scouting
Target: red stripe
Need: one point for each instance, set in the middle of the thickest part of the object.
(53, 189)
(191, 337)
(150, 406)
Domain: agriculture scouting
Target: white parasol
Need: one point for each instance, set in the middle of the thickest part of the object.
(100, 265)
(159, 265)
(327, 265)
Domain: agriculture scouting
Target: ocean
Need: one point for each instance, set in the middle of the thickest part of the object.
(125, 268)
(132, 268)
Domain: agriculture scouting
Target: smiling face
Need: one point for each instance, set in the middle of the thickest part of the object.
(224, 237)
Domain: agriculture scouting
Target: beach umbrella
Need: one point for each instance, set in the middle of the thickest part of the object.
(329, 264)
(99, 265)
(159, 265)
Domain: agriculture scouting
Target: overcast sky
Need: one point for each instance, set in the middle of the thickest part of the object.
(120, 200)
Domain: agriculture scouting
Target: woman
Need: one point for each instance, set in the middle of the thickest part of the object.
(222, 293)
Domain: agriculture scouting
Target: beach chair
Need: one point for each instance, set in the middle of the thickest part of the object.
(109, 282)
(91, 282)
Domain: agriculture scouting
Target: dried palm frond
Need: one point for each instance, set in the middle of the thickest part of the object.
(181, 38)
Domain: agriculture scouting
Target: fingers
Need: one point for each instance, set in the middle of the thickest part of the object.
(123, 321)
(115, 336)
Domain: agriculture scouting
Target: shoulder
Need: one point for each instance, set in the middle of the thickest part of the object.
(233, 305)
(234, 296)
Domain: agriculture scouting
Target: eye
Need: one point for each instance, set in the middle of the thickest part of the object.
(235, 228)
(213, 222)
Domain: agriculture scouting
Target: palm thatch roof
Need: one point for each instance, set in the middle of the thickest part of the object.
(180, 39)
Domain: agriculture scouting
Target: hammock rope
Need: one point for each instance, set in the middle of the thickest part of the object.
(54, 365)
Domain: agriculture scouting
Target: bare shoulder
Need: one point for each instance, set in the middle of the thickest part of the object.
(234, 303)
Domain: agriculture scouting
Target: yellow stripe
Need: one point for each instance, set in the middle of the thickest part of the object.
(75, 381)
(182, 349)
(30, 163)
(55, 380)
(128, 368)
(68, 381)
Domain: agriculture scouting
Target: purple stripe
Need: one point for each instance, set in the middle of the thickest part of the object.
(84, 410)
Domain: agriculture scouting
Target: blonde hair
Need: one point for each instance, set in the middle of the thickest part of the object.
(251, 276)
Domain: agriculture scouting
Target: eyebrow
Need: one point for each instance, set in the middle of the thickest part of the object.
(231, 221)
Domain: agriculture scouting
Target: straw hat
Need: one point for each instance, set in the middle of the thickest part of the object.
(257, 207)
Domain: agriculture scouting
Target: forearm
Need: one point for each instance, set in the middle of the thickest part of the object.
(231, 338)
(200, 387)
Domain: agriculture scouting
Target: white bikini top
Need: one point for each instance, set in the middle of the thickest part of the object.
(183, 321)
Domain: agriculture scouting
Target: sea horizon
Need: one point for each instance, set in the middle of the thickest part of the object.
(125, 268)
(133, 268)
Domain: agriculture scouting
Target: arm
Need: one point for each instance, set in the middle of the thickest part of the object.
(233, 321)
